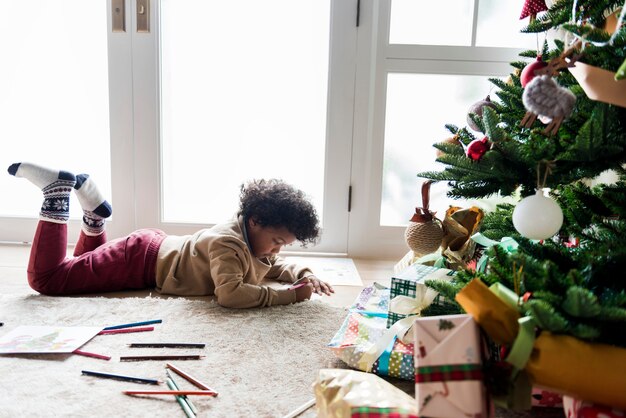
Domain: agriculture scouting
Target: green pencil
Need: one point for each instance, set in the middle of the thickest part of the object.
(176, 387)
(181, 400)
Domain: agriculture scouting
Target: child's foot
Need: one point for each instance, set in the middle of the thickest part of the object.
(56, 187)
(41, 177)
(95, 208)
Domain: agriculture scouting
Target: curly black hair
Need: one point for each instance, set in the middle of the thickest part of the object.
(277, 204)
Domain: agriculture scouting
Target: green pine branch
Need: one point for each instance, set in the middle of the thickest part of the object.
(577, 291)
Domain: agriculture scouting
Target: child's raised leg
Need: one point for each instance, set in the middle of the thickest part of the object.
(49, 248)
(125, 263)
(95, 210)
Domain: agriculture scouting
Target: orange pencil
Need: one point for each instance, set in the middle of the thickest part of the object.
(189, 378)
(169, 392)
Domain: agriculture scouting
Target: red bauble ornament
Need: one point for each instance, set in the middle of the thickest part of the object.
(528, 73)
(477, 148)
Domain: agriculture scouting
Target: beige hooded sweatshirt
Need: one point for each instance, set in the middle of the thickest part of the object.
(217, 261)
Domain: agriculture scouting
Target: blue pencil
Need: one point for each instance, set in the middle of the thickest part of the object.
(371, 313)
(135, 324)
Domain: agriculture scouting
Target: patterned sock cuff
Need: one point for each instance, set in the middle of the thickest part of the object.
(56, 201)
(92, 224)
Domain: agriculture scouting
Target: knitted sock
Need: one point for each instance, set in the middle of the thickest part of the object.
(56, 187)
(95, 208)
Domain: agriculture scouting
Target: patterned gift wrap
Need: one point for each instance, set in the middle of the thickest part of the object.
(363, 327)
(411, 282)
(358, 333)
(448, 367)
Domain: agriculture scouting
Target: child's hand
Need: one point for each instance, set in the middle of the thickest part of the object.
(304, 292)
(319, 286)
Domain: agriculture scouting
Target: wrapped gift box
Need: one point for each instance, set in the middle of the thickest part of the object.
(363, 330)
(410, 283)
(352, 394)
(448, 367)
(555, 360)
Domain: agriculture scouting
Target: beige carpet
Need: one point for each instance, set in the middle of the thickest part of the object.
(261, 361)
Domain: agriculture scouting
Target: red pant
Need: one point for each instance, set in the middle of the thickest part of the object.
(97, 265)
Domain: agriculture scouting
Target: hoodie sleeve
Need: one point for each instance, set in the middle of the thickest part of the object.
(228, 269)
(283, 271)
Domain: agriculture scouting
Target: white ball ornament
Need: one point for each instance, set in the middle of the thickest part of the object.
(538, 216)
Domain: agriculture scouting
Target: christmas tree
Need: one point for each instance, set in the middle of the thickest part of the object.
(552, 131)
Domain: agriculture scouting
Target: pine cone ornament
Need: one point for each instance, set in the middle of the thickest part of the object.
(424, 233)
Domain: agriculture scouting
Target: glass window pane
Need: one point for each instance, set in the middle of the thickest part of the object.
(499, 26)
(54, 101)
(443, 22)
(418, 107)
(243, 96)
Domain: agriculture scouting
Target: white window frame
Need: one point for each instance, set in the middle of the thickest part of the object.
(21, 229)
(360, 61)
(146, 128)
(376, 59)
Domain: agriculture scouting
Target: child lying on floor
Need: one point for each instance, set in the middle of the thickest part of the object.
(228, 260)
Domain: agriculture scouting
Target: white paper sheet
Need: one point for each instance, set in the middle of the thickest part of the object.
(46, 339)
(334, 271)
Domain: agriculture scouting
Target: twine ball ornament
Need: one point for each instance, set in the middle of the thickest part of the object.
(477, 108)
(537, 216)
(424, 233)
(477, 148)
(528, 73)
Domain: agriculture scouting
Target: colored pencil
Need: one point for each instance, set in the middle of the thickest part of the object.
(121, 377)
(371, 313)
(123, 331)
(299, 280)
(176, 387)
(296, 286)
(166, 357)
(188, 377)
(300, 409)
(169, 392)
(88, 354)
(182, 400)
(134, 324)
(168, 345)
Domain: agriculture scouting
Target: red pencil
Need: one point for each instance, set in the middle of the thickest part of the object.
(94, 355)
(188, 377)
(125, 330)
(170, 392)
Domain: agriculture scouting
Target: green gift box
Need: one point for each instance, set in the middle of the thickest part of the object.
(409, 293)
